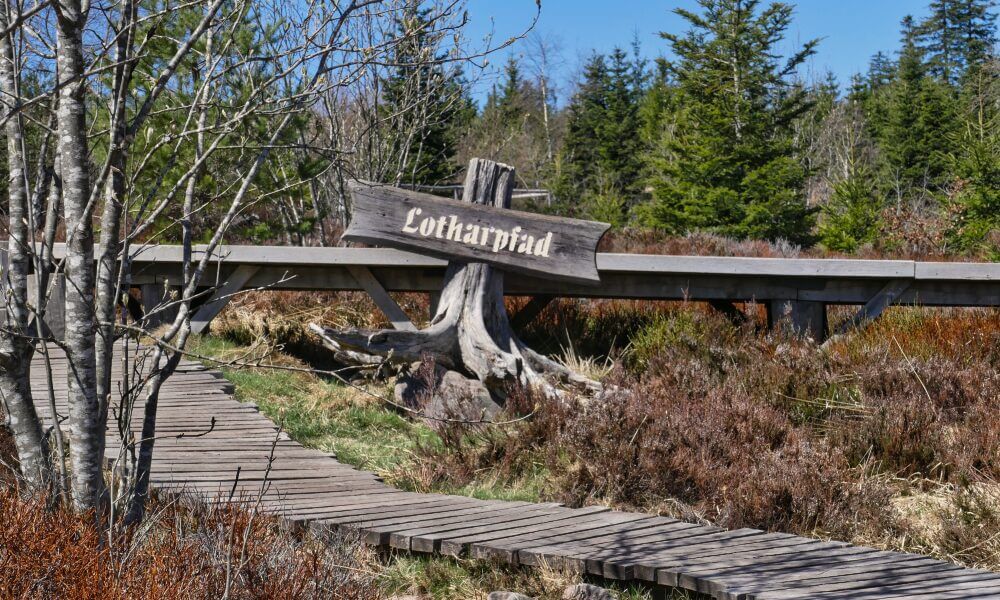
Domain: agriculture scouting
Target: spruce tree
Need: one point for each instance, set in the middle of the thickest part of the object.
(426, 104)
(509, 100)
(974, 196)
(958, 35)
(602, 148)
(919, 121)
(511, 128)
(852, 216)
(728, 164)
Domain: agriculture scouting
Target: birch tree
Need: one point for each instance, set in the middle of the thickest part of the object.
(168, 123)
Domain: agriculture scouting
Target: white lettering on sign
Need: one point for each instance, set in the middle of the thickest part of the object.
(450, 228)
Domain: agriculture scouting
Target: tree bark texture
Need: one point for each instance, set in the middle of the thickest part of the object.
(16, 347)
(87, 428)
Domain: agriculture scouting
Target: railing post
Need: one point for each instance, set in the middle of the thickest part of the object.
(154, 298)
(798, 317)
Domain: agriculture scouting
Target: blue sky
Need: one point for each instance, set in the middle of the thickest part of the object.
(852, 30)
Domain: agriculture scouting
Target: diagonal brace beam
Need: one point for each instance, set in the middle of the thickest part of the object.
(885, 298)
(208, 311)
(529, 311)
(366, 279)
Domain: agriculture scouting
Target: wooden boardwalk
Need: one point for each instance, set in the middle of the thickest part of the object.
(310, 487)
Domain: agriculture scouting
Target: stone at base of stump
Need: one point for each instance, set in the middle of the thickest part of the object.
(508, 596)
(453, 396)
(585, 591)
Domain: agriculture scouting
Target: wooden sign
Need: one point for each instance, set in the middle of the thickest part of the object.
(555, 247)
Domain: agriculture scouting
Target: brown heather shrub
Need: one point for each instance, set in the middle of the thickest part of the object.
(8, 453)
(907, 234)
(747, 428)
(182, 551)
(510, 452)
(651, 241)
(970, 526)
(732, 459)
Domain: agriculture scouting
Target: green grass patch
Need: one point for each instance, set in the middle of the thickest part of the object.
(324, 414)
(355, 426)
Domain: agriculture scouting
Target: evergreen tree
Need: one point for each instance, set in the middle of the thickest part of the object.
(918, 121)
(880, 71)
(619, 144)
(511, 128)
(975, 197)
(729, 163)
(852, 216)
(958, 35)
(425, 104)
(602, 148)
(509, 101)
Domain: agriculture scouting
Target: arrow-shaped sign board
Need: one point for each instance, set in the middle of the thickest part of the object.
(553, 247)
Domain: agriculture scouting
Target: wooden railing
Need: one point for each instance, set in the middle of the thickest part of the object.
(795, 291)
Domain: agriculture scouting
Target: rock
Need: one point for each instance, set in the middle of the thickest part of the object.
(413, 389)
(445, 394)
(507, 596)
(585, 591)
(458, 397)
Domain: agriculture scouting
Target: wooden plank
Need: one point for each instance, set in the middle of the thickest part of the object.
(557, 247)
(622, 562)
(955, 271)
(867, 576)
(569, 551)
(506, 548)
(532, 552)
(957, 591)
(919, 583)
(382, 299)
(770, 565)
(459, 546)
(386, 532)
(773, 547)
(732, 582)
(406, 536)
(648, 284)
(743, 266)
(630, 551)
(288, 256)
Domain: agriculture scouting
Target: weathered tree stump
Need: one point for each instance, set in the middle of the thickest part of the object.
(470, 332)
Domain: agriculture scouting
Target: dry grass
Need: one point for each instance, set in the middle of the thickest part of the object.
(184, 550)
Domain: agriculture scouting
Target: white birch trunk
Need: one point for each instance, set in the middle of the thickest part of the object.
(87, 428)
(16, 348)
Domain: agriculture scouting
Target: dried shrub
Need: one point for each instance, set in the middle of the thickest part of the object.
(970, 532)
(184, 550)
(8, 454)
(906, 234)
(748, 428)
(282, 318)
(734, 460)
(509, 450)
